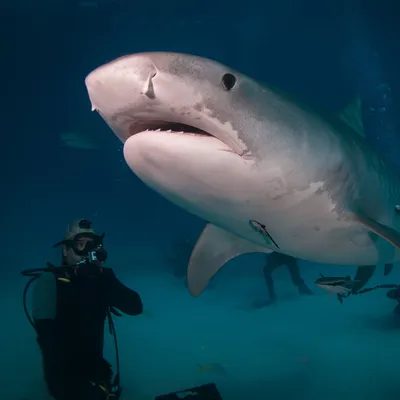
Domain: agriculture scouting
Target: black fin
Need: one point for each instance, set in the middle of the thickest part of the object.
(363, 275)
(388, 269)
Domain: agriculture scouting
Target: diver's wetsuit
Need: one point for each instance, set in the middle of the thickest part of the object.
(276, 260)
(72, 341)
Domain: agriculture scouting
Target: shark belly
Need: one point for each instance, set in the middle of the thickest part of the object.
(302, 224)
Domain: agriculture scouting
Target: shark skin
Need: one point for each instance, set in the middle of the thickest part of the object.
(268, 172)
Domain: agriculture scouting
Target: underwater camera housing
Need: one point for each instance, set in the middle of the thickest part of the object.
(208, 391)
(99, 254)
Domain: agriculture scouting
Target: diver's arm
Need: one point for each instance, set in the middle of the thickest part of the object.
(124, 299)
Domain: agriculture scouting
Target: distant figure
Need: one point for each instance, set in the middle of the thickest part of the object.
(274, 261)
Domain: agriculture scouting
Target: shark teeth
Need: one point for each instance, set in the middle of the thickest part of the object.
(168, 131)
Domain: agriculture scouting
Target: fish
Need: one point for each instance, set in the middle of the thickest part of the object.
(341, 286)
(215, 368)
(78, 140)
(267, 171)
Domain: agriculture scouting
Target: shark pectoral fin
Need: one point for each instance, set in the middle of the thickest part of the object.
(214, 248)
(385, 232)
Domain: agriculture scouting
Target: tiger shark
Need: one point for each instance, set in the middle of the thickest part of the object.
(268, 172)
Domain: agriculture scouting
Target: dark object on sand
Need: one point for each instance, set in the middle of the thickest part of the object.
(208, 391)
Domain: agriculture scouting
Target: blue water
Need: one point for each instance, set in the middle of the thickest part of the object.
(301, 348)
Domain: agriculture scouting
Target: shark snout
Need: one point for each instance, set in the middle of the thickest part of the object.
(114, 85)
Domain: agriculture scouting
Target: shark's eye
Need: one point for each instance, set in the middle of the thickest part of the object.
(228, 81)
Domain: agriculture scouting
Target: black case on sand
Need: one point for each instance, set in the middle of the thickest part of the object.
(208, 391)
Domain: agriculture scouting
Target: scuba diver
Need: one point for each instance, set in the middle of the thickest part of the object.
(274, 261)
(70, 304)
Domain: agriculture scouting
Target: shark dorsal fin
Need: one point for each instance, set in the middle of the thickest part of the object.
(352, 116)
(322, 276)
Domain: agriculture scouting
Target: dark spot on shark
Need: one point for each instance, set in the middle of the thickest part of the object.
(228, 81)
(186, 113)
(317, 228)
(262, 230)
(198, 107)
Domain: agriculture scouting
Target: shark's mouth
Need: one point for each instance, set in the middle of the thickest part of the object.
(165, 126)
(177, 128)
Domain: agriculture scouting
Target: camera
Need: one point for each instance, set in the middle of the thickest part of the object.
(99, 254)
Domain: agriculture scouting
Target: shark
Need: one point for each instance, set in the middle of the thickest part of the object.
(267, 171)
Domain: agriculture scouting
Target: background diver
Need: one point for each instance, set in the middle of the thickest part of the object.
(274, 261)
(70, 305)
